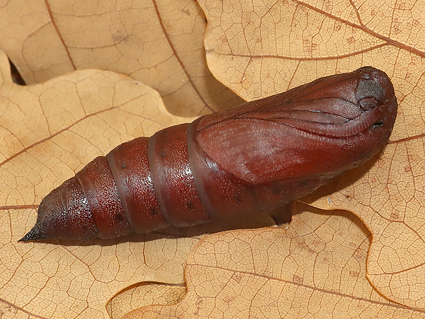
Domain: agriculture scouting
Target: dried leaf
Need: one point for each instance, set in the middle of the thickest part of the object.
(53, 130)
(158, 43)
(315, 269)
(142, 295)
(260, 50)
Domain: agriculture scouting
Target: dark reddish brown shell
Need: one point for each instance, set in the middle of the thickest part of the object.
(257, 156)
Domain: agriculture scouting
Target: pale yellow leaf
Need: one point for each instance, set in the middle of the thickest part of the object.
(261, 48)
(53, 130)
(144, 294)
(315, 269)
(158, 43)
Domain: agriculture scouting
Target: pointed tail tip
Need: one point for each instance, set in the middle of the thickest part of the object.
(34, 234)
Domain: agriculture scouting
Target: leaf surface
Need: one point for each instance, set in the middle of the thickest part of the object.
(315, 269)
(52, 130)
(261, 50)
(158, 43)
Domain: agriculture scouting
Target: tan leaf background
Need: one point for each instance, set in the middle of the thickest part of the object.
(102, 72)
